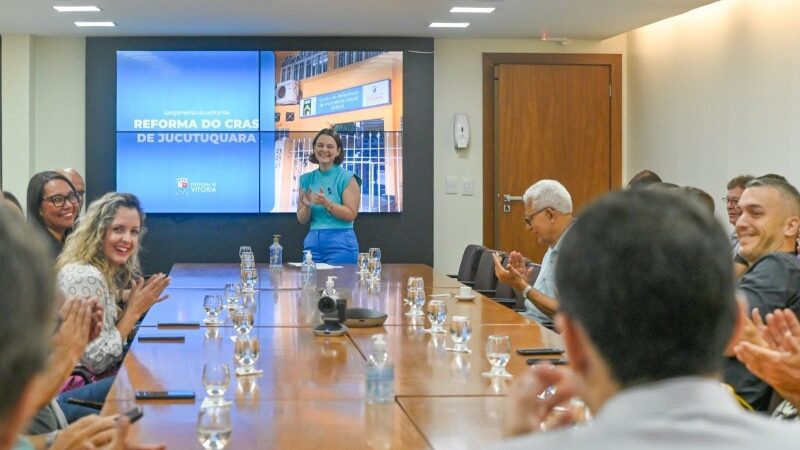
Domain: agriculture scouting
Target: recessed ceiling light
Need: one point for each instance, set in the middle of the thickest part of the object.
(449, 24)
(95, 24)
(76, 8)
(470, 9)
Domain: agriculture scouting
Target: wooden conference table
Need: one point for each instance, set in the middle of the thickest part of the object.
(312, 389)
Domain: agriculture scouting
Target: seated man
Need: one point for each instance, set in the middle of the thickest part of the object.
(767, 230)
(736, 186)
(773, 355)
(645, 344)
(548, 215)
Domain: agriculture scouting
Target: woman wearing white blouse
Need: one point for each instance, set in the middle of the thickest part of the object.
(100, 259)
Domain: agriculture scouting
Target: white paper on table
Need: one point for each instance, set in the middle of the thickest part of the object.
(320, 266)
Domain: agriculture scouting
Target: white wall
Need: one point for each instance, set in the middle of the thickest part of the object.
(18, 113)
(43, 107)
(715, 93)
(458, 87)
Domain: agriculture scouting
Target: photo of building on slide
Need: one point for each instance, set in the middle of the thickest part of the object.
(360, 95)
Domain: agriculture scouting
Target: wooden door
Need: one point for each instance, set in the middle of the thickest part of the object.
(552, 121)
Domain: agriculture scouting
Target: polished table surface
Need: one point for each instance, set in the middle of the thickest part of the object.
(311, 392)
(287, 424)
(299, 308)
(296, 365)
(214, 276)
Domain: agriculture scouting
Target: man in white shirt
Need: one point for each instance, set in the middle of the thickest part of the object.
(548, 216)
(647, 308)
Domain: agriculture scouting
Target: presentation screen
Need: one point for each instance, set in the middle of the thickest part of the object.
(231, 131)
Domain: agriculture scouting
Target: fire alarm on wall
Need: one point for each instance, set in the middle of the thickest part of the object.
(461, 131)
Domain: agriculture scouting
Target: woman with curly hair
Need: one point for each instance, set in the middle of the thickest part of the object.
(100, 259)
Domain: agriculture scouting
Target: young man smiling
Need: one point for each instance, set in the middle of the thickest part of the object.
(767, 229)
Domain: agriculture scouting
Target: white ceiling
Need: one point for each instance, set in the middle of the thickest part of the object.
(574, 19)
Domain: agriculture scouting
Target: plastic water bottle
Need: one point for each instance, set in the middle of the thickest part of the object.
(380, 373)
(276, 253)
(308, 272)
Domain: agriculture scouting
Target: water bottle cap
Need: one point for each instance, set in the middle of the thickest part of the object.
(378, 343)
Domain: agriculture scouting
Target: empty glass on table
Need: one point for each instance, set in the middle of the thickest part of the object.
(437, 314)
(498, 351)
(460, 332)
(246, 351)
(216, 378)
(232, 293)
(243, 318)
(212, 304)
(214, 427)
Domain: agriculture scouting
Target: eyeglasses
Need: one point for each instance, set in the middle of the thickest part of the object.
(730, 201)
(529, 219)
(58, 200)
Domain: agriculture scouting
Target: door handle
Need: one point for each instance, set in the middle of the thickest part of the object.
(507, 199)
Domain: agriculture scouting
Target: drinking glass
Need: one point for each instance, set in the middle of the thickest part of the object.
(460, 332)
(232, 292)
(376, 270)
(214, 427)
(243, 318)
(363, 261)
(216, 378)
(498, 351)
(249, 284)
(437, 313)
(246, 351)
(212, 304)
(375, 253)
(411, 291)
(416, 302)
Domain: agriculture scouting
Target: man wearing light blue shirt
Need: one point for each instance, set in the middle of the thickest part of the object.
(548, 215)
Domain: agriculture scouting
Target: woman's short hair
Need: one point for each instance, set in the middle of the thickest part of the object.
(85, 244)
(36, 194)
(327, 132)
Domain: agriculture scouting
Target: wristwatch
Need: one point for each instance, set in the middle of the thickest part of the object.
(526, 290)
(330, 207)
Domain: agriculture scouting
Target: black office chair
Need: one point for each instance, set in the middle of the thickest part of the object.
(485, 279)
(469, 264)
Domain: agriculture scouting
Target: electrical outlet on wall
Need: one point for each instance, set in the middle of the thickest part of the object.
(467, 186)
(451, 185)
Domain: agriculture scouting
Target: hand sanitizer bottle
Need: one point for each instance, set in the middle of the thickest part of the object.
(329, 290)
(380, 373)
(276, 253)
(308, 272)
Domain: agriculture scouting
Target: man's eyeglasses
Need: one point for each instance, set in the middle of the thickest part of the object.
(58, 200)
(731, 201)
(529, 218)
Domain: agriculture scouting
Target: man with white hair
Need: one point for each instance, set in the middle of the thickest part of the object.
(548, 215)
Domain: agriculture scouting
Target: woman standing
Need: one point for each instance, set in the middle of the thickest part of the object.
(100, 259)
(52, 206)
(329, 198)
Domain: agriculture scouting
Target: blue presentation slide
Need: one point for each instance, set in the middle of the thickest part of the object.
(190, 172)
(188, 91)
